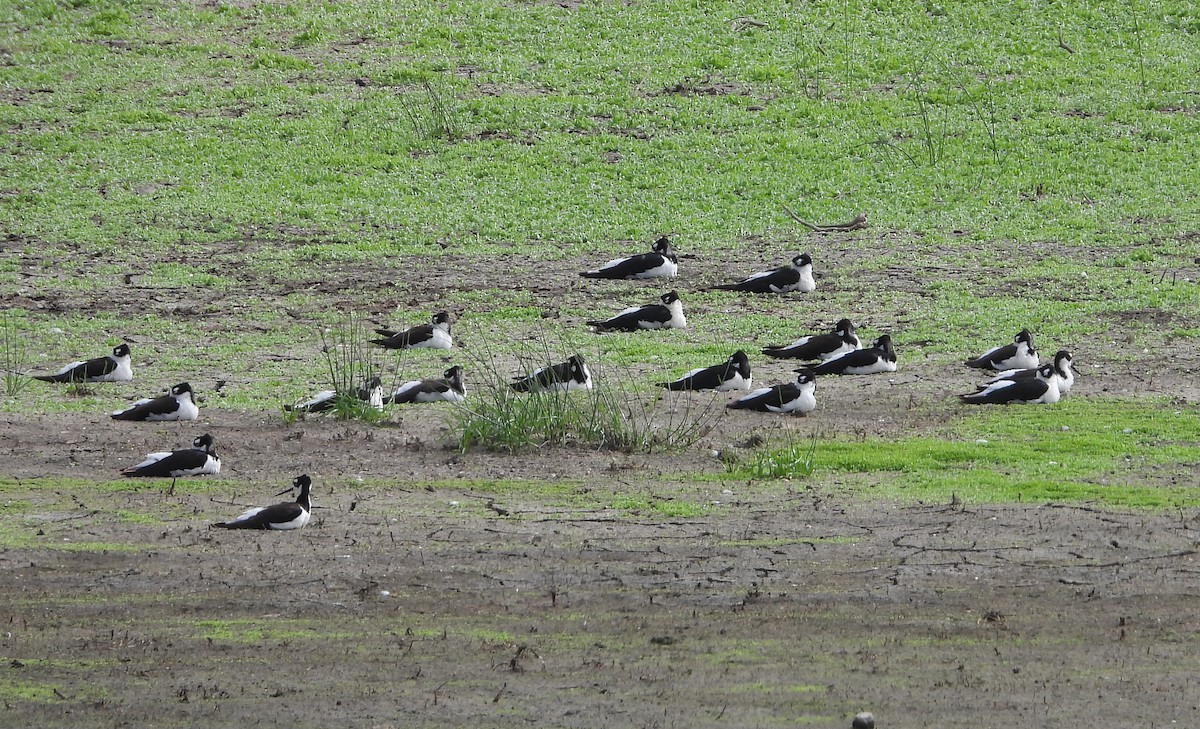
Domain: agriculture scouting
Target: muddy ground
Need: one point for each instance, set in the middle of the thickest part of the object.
(428, 592)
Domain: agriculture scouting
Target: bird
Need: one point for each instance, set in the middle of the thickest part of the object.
(288, 515)
(195, 461)
(660, 262)
(879, 357)
(1041, 389)
(448, 387)
(732, 374)
(570, 375)
(841, 340)
(116, 367)
(370, 392)
(1018, 355)
(667, 315)
(178, 404)
(796, 398)
(1062, 368)
(795, 277)
(434, 335)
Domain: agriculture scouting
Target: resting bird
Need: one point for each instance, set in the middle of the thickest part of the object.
(1041, 389)
(370, 392)
(178, 404)
(288, 515)
(449, 388)
(194, 461)
(841, 340)
(796, 277)
(434, 335)
(660, 262)
(1018, 355)
(880, 357)
(796, 398)
(732, 374)
(667, 315)
(116, 367)
(1062, 368)
(570, 375)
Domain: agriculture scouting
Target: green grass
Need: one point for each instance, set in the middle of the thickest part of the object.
(1101, 450)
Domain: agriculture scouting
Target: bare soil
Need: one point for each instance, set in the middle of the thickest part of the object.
(426, 593)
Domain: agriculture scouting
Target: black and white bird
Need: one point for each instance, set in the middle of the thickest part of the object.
(660, 262)
(178, 404)
(794, 398)
(1016, 356)
(841, 340)
(732, 374)
(195, 461)
(434, 335)
(879, 357)
(667, 315)
(570, 375)
(288, 515)
(1040, 389)
(449, 388)
(370, 392)
(1062, 364)
(116, 367)
(796, 277)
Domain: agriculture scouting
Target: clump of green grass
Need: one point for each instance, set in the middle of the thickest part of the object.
(617, 414)
(16, 357)
(792, 461)
(431, 113)
(350, 365)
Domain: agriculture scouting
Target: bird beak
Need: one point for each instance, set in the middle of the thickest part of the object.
(288, 490)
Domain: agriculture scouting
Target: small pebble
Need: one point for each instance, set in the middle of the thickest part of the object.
(384, 593)
(1127, 430)
(1065, 428)
(863, 720)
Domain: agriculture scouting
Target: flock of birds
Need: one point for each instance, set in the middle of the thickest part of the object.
(1018, 376)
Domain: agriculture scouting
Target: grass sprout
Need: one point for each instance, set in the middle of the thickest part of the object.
(16, 357)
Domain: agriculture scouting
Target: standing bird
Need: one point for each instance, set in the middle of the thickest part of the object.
(570, 375)
(841, 340)
(370, 392)
(434, 335)
(796, 277)
(449, 388)
(116, 367)
(732, 374)
(1018, 355)
(796, 398)
(667, 315)
(1062, 368)
(288, 515)
(178, 404)
(660, 262)
(879, 357)
(194, 461)
(1042, 388)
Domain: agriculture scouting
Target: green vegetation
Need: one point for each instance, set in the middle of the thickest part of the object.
(1110, 451)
